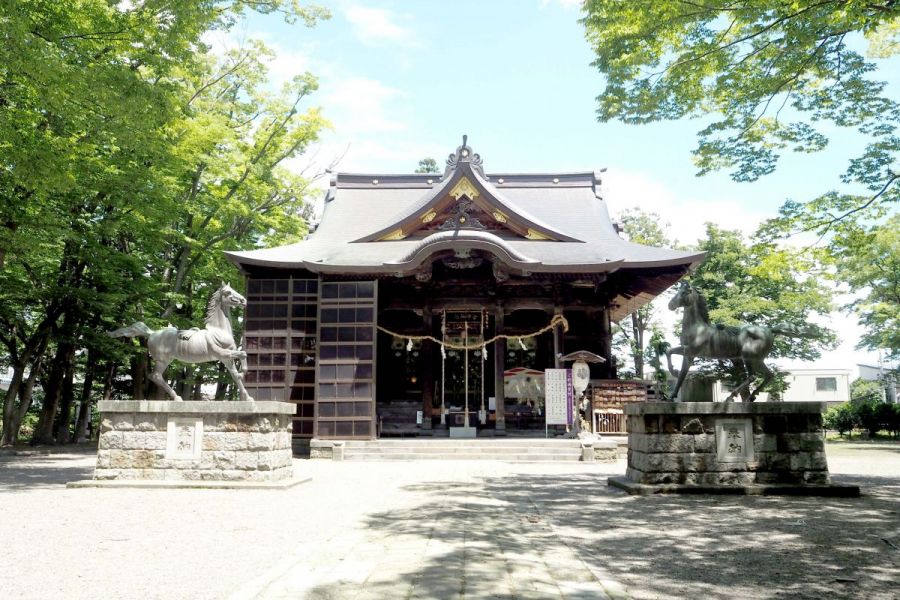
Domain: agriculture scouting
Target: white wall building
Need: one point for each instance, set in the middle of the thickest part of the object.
(806, 385)
(873, 373)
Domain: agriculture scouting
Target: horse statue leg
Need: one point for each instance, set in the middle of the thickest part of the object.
(237, 376)
(685, 367)
(159, 367)
(669, 353)
(767, 377)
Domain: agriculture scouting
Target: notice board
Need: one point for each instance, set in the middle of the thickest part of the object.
(558, 396)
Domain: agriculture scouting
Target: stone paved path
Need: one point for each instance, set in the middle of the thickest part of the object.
(443, 539)
(460, 530)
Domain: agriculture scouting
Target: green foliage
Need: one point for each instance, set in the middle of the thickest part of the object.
(840, 418)
(641, 228)
(862, 390)
(131, 155)
(427, 165)
(760, 283)
(770, 77)
(868, 260)
(867, 416)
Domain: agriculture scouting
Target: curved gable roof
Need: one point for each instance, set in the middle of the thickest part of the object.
(572, 231)
(465, 178)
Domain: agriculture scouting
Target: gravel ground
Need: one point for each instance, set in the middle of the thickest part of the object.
(127, 543)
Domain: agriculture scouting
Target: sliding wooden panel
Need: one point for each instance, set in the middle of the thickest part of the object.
(280, 340)
(345, 406)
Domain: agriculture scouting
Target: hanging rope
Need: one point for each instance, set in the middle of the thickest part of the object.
(557, 320)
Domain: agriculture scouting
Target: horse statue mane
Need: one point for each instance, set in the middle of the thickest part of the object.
(746, 346)
(213, 342)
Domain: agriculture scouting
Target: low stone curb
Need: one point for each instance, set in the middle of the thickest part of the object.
(834, 490)
(147, 484)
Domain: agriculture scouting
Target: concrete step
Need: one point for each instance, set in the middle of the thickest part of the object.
(517, 458)
(461, 450)
(509, 450)
(487, 443)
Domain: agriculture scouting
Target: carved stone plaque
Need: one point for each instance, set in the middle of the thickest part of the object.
(734, 440)
(184, 437)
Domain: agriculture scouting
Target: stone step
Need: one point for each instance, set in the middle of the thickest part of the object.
(447, 449)
(377, 456)
(490, 443)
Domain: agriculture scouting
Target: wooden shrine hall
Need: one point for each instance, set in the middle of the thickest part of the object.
(427, 301)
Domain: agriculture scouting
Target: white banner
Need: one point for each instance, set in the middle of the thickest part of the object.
(558, 396)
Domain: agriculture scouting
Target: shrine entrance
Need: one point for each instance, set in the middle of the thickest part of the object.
(467, 374)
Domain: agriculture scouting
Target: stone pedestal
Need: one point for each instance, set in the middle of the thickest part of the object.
(705, 447)
(195, 441)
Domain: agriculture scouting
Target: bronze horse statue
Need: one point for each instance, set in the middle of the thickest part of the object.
(214, 342)
(746, 346)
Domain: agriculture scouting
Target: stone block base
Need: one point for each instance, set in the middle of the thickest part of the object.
(695, 447)
(195, 441)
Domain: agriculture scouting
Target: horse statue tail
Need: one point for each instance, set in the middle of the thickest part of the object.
(136, 329)
(790, 330)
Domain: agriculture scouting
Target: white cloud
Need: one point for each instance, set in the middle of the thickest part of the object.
(566, 4)
(627, 189)
(361, 105)
(378, 26)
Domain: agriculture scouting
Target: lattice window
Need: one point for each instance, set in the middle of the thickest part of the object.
(280, 339)
(346, 368)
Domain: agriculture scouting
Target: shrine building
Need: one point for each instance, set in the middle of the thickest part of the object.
(428, 301)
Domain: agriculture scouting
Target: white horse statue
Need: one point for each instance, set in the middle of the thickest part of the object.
(747, 346)
(214, 342)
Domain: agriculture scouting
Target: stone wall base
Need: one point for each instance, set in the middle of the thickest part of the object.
(693, 446)
(195, 441)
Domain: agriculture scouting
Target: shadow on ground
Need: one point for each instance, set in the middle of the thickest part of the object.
(53, 469)
(658, 546)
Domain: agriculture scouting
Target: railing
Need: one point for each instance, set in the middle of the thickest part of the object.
(609, 421)
(609, 398)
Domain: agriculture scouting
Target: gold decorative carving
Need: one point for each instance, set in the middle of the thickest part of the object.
(536, 235)
(464, 187)
(429, 216)
(500, 217)
(397, 234)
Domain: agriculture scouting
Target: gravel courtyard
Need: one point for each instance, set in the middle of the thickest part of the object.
(445, 529)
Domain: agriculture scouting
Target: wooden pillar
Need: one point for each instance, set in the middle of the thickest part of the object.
(558, 340)
(499, 363)
(427, 362)
(605, 337)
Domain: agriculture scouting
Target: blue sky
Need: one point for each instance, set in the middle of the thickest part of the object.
(404, 80)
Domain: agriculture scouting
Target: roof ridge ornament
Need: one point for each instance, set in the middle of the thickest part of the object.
(464, 154)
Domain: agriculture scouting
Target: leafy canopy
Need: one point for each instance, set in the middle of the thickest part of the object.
(770, 75)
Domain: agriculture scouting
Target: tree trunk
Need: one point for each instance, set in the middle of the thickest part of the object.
(63, 431)
(65, 352)
(84, 410)
(139, 373)
(34, 347)
(25, 397)
(637, 329)
(221, 383)
(8, 437)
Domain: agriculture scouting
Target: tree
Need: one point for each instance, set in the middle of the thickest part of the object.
(870, 265)
(641, 228)
(763, 284)
(770, 76)
(427, 165)
(840, 418)
(863, 390)
(94, 102)
(766, 77)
